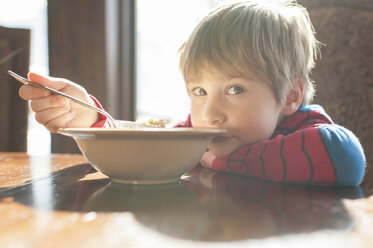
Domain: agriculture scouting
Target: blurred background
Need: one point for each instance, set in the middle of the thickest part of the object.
(125, 53)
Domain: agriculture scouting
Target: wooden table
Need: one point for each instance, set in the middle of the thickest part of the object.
(61, 201)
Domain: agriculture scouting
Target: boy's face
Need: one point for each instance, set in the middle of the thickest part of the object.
(246, 108)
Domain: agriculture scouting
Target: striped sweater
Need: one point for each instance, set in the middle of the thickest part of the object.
(306, 147)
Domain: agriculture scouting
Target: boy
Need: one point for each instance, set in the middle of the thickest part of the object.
(246, 67)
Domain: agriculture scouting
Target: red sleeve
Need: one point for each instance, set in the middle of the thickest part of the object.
(103, 121)
(187, 123)
(297, 157)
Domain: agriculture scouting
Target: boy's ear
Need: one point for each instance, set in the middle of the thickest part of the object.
(294, 98)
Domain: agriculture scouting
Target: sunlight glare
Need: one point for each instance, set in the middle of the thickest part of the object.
(18, 10)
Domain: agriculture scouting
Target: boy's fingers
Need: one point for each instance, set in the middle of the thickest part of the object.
(60, 121)
(47, 115)
(207, 159)
(28, 92)
(51, 82)
(51, 101)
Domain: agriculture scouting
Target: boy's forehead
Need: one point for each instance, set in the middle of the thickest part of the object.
(199, 70)
(204, 73)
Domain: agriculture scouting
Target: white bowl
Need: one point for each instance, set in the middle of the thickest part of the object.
(142, 155)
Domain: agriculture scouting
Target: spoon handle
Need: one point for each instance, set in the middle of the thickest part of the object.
(26, 81)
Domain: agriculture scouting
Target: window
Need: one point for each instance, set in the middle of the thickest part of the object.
(162, 27)
(31, 15)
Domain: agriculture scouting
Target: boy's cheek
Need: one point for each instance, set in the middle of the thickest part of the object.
(195, 121)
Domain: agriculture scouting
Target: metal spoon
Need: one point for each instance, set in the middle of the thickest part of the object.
(129, 124)
(26, 81)
(117, 123)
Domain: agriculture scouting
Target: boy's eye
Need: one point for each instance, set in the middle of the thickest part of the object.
(235, 90)
(199, 92)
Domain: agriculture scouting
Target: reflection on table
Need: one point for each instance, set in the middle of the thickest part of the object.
(205, 206)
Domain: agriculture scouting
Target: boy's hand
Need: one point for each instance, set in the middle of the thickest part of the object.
(54, 111)
(207, 159)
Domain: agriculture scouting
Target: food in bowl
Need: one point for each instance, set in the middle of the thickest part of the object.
(150, 123)
(142, 155)
(157, 123)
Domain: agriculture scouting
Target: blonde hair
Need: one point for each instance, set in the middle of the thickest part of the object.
(273, 41)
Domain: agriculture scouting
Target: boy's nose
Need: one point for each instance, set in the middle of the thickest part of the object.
(213, 113)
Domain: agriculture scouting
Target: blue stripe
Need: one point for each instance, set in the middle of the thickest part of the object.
(314, 107)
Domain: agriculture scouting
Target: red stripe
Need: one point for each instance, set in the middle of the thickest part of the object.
(253, 160)
(323, 167)
(298, 168)
(274, 167)
(237, 167)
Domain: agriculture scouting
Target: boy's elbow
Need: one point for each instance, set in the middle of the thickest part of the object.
(352, 173)
(346, 153)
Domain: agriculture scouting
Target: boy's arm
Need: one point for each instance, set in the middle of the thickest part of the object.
(321, 155)
(54, 111)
